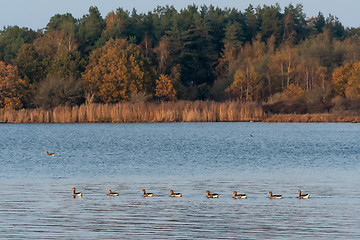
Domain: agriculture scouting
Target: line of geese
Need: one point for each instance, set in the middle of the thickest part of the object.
(209, 195)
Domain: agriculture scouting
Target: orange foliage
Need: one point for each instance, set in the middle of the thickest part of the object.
(340, 78)
(353, 89)
(115, 72)
(12, 87)
(165, 89)
(346, 80)
(293, 92)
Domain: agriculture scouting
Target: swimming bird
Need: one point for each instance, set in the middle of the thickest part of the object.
(305, 196)
(147, 194)
(274, 196)
(76, 194)
(172, 194)
(49, 154)
(214, 195)
(236, 195)
(110, 193)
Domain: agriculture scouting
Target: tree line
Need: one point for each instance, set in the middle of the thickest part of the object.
(262, 54)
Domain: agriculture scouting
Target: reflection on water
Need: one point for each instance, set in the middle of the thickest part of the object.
(320, 159)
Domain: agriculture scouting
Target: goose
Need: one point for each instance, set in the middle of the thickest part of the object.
(305, 196)
(76, 194)
(214, 195)
(110, 193)
(172, 194)
(49, 154)
(236, 195)
(274, 196)
(147, 194)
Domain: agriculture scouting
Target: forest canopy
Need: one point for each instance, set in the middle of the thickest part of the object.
(262, 54)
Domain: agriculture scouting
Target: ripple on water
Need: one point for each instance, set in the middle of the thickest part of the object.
(320, 159)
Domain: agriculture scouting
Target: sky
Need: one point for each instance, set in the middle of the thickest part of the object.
(35, 14)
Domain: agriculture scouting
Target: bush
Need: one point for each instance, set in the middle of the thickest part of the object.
(54, 91)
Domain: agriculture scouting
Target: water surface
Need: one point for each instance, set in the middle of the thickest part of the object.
(252, 158)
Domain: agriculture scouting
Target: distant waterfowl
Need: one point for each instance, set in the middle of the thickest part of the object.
(110, 193)
(274, 196)
(305, 196)
(49, 154)
(147, 194)
(209, 195)
(172, 194)
(76, 194)
(236, 195)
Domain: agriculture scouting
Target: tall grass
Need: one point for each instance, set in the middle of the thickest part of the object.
(319, 117)
(126, 112)
(182, 111)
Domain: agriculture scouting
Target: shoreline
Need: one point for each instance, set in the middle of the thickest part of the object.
(166, 112)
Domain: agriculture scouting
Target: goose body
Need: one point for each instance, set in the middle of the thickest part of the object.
(172, 194)
(147, 194)
(274, 196)
(236, 195)
(49, 154)
(110, 193)
(76, 194)
(305, 196)
(213, 195)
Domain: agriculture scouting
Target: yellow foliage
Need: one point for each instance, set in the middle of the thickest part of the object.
(115, 72)
(165, 89)
(12, 87)
(346, 80)
(246, 86)
(340, 78)
(353, 88)
(293, 92)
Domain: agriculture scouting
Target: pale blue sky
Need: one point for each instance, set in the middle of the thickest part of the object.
(35, 14)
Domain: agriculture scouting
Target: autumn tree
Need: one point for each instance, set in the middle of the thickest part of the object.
(54, 43)
(346, 80)
(12, 87)
(164, 88)
(116, 71)
(293, 92)
(162, 52)
(353, 89)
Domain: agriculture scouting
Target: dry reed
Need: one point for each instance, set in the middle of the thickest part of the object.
(181, 111)
(320, 117)
(127, 112)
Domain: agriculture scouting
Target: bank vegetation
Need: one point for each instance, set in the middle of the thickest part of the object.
(181, 111)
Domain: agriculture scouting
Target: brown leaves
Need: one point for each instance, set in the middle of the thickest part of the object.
(165, 89)
(12, 87)
(115, 72)
(346, 80)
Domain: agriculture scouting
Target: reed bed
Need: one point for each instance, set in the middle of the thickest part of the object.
(181, 111)
(319, 117)
(127, 112)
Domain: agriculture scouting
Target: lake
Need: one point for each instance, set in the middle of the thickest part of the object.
(322, 159)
